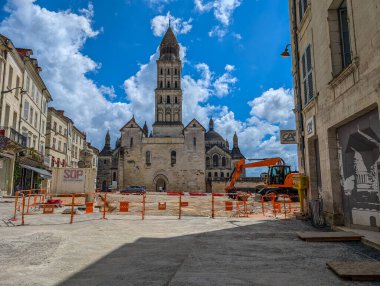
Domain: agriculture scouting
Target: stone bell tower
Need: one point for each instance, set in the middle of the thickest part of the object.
(168, 94)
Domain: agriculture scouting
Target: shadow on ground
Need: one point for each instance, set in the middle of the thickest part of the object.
(262, 253)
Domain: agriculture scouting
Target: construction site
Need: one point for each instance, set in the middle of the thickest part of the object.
(166, 200)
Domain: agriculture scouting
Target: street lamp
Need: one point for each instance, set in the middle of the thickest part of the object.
(285, 53)
(10, 90)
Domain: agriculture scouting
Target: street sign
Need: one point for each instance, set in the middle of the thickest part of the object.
(288, 136)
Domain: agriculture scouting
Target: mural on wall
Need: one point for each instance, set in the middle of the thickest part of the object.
(359, 156)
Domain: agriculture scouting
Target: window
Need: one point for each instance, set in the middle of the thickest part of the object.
(222, 175)
(228, 175)
(7, 115)
(65, 132)
(161, 84)
(175, 71)
(54, 141)
(14, 125)
(209, 174)
(55, 126)
(114, 176)
(223, 161)
(344, 35)
(215, 160)
(175, 100)
(168, 99)
(43, 127)
(168, 71)
(194, 141)
(17, 85)
(216, 174)
(302, 6)
(161, 71)
(59, 145)
(31, 115)
(33, 91)
(60, 129)
(175, 84)
(131, 142)
(26, 110)
(35, 119)
(64, 147)
(10, 76)
(207, 162)
(160, 101)
(168, 85)
(105, 162)
(307, 73)
(27, 83)
(173, 157)
(147, 157)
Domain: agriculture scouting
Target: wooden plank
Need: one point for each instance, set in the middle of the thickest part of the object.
(329, 236)
(356, 270)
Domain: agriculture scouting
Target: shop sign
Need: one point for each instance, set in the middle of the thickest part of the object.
(288, 136)
(310, 127)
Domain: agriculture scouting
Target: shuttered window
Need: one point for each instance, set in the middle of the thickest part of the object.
(307, 75)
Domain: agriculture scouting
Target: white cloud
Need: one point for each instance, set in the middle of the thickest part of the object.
(237, 36)
(57, 39)
(159, 25)
(108, 91)
(158, 4)
(223, 10)
(274, 105)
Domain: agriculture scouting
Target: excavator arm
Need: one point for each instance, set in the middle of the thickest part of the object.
(241, 166)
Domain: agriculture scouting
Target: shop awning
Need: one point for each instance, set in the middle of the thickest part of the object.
(44, 174)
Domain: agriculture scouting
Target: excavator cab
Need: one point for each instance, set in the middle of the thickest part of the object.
(277, 174)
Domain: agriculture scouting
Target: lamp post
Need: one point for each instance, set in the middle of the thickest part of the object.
(298, 109)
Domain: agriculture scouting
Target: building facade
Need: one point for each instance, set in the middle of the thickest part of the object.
(336, 68)
(172, 157)
(12, 142)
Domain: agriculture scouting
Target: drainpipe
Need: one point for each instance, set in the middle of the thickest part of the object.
(298, 89)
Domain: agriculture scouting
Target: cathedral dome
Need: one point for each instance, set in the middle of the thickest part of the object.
(212, 135)
(214, 138)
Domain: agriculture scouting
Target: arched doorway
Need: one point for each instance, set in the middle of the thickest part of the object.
(161, 183)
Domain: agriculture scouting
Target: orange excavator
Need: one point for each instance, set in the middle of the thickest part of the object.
(279, 179)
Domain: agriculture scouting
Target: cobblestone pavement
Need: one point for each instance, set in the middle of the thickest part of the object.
(162, 250)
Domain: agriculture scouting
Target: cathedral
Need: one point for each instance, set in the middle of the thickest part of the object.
(172, 157)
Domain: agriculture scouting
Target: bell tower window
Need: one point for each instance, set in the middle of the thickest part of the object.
(161, 72)
(168, 85)
(168, 99)
(161, 84)
(176, 84)
(168, 71)
(175, 100)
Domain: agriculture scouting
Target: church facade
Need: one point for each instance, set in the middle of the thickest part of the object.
(172, 157)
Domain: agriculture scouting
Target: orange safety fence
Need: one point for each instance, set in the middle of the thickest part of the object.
(178, 204)
(278, 204)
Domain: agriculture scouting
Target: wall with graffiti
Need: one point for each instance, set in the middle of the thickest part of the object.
(359, 160)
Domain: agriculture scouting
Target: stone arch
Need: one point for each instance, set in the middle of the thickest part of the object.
(160, 181)
(160, 115)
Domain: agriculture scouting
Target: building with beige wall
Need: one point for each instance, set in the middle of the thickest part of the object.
(11, 140)
(336, 69)
(59, 129)
(78, 144)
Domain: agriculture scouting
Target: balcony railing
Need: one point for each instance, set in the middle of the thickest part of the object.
(12, 134)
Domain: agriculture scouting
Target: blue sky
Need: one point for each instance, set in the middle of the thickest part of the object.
(98, 62)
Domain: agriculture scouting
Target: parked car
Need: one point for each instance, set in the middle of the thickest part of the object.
(133, 190)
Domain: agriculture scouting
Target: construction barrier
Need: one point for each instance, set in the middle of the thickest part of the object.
(105, 205)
